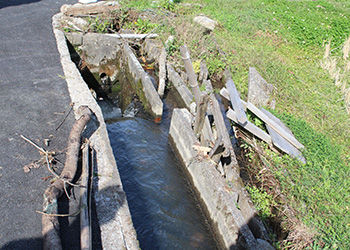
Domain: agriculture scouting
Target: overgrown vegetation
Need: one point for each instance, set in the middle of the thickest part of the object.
(305, 205)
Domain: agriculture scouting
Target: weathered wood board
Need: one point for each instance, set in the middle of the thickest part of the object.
(279, 141)
(236, 102)
(286, 135)
(250, 127)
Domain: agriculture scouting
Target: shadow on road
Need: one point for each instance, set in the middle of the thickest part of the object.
(8, 3)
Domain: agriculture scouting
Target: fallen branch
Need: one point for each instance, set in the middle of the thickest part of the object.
(40, 148)
(65, 117)
(50, 225)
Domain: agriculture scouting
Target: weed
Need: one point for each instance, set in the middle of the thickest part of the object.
(142, 26)
(172, 47)
(99, 25)
(263, 201)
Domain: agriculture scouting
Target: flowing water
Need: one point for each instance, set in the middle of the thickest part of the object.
(165, 212)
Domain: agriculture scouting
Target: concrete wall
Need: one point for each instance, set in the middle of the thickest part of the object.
(135, 69)
(220, 203)
(117, 231)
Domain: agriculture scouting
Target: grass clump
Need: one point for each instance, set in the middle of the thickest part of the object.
(321, 186)
(315, 195)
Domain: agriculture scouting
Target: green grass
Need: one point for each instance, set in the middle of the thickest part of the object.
(283, 40)
(320, 188)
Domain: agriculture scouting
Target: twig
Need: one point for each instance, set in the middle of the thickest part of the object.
(65, 118)
(40, 148)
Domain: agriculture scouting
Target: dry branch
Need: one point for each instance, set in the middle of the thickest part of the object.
(50, 225)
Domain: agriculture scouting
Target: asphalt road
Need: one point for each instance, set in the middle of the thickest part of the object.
(33, 98)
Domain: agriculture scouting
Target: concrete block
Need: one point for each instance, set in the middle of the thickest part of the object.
(99, 49)
(181, 88)
(151, 49)
(259, 91)
(76, 39)
(117, 231)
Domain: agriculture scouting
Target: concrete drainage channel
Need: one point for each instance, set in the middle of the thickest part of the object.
(227, 206)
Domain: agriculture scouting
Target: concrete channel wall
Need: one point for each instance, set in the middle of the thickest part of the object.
(220, 204)
(230, 212)
(117, 231)
(138, 74)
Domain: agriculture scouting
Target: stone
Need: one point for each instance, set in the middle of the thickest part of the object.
(205, 22)
(259, 91)
(76, 39)
(185, 94)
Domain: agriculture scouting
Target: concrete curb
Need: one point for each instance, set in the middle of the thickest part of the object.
(117, 231)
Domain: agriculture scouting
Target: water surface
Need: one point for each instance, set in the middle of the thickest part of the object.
(165, 212)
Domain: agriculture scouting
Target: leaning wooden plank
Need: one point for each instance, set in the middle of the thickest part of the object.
(220, 124)
(276, 120)
(284, 145)
(85, 226)
(224, 92)
(236, 102)
(275, 126)
(250, 127)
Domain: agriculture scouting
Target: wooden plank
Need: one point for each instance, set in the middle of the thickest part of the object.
(284, 145)
(250, 127)
(220, 124)
(236, 102)
(218, 142)
(279, 141)
(275, 126)
(276, 120)
(224, 92)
